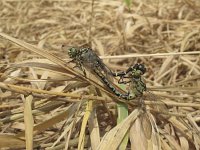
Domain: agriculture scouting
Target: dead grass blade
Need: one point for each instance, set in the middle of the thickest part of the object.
(28, 120)
(182, 128)
(67, 113)
(94, 130)
(57, 61)
(11, 141)
(150, 55)
(87, 114)
(25, 90)
(163, 35)
(39, 51)
(114, 137)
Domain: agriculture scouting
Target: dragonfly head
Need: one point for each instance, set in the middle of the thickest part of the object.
(137, 70)
(140, 67)
(73, 52)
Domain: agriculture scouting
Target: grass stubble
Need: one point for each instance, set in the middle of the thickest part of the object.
(45, 100)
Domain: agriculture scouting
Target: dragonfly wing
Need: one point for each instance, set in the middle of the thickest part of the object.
(146, 125)
(137, 137)
(159, 106)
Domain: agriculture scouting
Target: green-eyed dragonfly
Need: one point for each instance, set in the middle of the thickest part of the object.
(133, 76)
(86, 58)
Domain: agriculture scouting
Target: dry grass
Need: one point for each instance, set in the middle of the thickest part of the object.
(43, 99)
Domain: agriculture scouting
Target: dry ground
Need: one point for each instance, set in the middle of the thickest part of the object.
(37, 86)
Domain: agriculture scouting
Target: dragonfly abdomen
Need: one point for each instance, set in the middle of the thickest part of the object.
(111, 87)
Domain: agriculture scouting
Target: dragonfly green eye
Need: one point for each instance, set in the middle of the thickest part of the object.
(72, 52)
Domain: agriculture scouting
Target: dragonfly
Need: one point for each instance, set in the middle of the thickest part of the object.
(138, 86)
(134, 73)
(85, 57)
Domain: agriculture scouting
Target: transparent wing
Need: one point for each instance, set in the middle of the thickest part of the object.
(157, 104)
(101, 66)
(92, 62)
(146, 125)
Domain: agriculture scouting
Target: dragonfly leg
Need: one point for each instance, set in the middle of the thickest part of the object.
(121, 80)
(80, 67)
(71, 61)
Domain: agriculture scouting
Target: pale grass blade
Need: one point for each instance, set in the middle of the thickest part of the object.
(28, 121)
(94, 130)
(87, 114)
(114, 137)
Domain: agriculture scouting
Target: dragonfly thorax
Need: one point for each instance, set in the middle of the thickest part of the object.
(136, 73)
